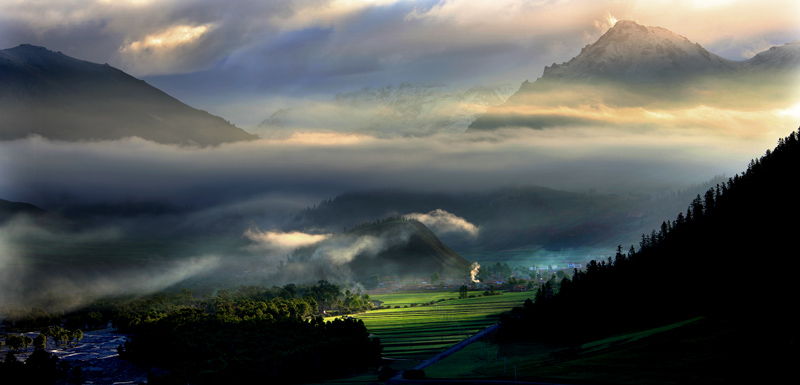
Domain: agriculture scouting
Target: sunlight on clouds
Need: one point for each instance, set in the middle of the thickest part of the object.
(176, 49)
(727, 122)
(169, 38)
(131, 2)
(792, 112)
(324, 139)
(315, 14)
(606, 24)
(710, 3)
(281, 242)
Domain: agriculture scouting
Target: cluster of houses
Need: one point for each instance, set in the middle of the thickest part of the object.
(538, 275)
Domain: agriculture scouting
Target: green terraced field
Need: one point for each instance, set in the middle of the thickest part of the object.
(422, 331)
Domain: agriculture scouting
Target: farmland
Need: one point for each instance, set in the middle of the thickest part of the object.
(689, 351)
(417, 332)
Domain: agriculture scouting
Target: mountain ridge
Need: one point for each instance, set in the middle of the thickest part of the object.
(58, 97)
(632, 52)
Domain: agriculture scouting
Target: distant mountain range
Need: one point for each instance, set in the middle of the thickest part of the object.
(405, 109)
(58, 97)
(633, 65)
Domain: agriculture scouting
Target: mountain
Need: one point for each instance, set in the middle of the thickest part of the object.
(406, 109)
(62, 98)
(779, 58)
(634, 53)
(395, 247)
(634, 66)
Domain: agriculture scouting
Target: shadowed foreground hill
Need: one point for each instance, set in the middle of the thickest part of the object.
(391, 247)
(58, 97)
(729, 258)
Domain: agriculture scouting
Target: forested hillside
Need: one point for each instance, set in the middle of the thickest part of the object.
(729, 258)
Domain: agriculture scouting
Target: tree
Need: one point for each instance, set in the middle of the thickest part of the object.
(435, 277)
(463, 291)
(14, 342)
(26, 342)
(77, 335)
(40, 342)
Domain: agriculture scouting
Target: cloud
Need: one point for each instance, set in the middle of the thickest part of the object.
(165, 51)
(340, 251)
(633, 149)
(443, 222)
(281, 242)
(315, 47)
(84, 269)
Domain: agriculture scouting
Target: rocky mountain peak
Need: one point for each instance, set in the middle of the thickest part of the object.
(636, 53)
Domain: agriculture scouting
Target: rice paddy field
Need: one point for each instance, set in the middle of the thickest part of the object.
(416, 332)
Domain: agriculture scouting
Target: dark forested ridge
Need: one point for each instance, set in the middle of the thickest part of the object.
(729, 258)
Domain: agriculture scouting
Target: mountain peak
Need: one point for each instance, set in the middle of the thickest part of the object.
(628, 24)
(635, 53)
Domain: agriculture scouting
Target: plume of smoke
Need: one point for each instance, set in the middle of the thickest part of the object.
(442, 222)
(474, 271)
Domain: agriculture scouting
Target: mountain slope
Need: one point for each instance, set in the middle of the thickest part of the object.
(779, 58)
(10, 209)
(58, 97)
(699, 265)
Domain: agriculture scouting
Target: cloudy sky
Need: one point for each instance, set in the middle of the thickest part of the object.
(243, 59)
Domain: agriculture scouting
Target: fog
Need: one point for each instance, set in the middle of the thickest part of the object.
(237, 200)
(309, 166)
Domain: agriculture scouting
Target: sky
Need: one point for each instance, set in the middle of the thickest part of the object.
(244, 59)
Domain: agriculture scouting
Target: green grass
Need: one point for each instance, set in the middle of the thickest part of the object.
(693, 351)
(419, 332)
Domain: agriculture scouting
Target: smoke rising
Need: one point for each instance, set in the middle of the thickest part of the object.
(474, 271)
